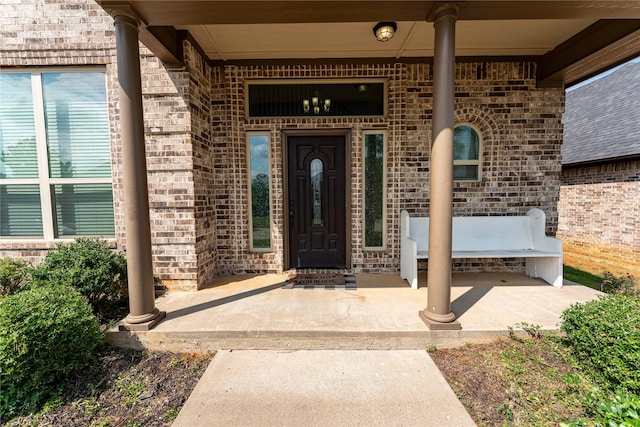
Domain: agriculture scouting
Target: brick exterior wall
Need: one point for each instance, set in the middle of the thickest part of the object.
(196, 128)
(234, 239)
(59, 34)
(599, 212)
(520, 126)
(44, 33)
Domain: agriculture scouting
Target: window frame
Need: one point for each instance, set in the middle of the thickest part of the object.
(248, 136)
(477, 163)
(384, 134)
(44, 181)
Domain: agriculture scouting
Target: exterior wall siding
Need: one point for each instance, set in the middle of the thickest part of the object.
(195, 129)
(599, 212)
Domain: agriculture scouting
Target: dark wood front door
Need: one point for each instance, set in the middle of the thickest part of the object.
(317, 221)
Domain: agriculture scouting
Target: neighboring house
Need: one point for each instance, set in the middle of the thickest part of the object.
(599, 208)
(282, 134)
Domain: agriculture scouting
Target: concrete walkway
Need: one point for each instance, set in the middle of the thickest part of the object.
(297, 357)
(323, 388)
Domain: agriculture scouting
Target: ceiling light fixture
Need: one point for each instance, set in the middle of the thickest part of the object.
(384, 31)
(317, 103)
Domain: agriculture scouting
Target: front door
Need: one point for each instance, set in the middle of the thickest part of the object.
(317, 221)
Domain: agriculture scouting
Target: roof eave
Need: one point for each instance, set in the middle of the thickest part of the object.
(597, 162)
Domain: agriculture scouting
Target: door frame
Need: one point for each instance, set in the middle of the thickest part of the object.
(346, 133)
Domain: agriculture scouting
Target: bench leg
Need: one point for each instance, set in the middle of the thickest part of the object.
(414, 280)
(409, 271)
(409, 262)
(549, 269)
(412, 276)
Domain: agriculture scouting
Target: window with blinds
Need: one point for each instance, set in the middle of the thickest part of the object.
(18, 154)
(55, 160)
(20, 210)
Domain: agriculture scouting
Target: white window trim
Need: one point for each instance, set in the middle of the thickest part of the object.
(477, 163)
(249, 195)
(43, 160)
(384, 187)
(44, 181)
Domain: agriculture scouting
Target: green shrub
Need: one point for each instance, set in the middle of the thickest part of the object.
(46, 335)
(89, 266)
(14, 274)
(620, 409)
(605, 336)
(622, 285)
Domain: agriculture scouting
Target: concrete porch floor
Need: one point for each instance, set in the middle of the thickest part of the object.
(255, 313)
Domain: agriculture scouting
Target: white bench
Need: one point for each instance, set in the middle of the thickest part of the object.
(486, 237)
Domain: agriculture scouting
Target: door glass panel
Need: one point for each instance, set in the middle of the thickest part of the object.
(316, 192)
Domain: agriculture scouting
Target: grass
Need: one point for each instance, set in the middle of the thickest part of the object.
(517, 382)
(546, 385)
(132, 388)
(533, 382)
(544, 380)
(582, 277)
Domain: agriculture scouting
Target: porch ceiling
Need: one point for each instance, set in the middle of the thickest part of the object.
(355, 39)
(572, 40)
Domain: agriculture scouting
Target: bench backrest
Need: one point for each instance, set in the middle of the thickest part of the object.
(483, 232)
(419, 231)
(491, 233)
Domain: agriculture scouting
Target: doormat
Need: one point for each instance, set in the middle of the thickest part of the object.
(327, 281)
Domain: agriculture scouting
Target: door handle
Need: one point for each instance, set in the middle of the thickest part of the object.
(292, 214)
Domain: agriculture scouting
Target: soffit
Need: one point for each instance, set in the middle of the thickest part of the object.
(356, 40)
(573, 39)
(212, 12)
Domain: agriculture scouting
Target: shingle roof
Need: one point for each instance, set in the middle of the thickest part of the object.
(602, 118)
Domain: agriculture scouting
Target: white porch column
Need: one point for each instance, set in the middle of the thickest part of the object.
(143, 314)
(438, 313)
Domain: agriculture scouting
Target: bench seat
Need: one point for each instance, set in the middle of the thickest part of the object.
(524, 253)
(486, 237)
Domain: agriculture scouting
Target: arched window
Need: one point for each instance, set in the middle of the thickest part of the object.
(467, 146)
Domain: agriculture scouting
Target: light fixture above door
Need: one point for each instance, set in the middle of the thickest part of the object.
(317, 104)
